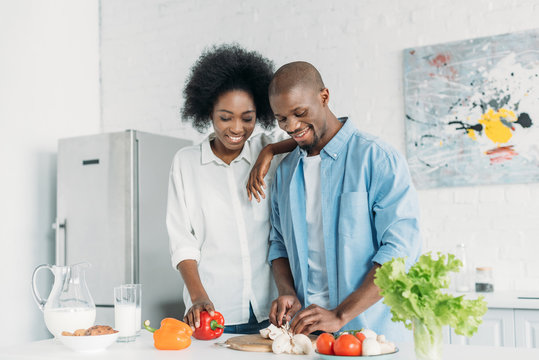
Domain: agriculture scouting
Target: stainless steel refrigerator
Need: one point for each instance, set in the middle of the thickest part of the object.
(111, 206)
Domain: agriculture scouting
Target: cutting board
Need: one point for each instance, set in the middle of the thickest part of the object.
(253, 342)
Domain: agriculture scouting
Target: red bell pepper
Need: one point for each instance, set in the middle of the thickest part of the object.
(211, 327)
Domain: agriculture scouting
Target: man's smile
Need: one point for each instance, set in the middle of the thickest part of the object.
(300, 135)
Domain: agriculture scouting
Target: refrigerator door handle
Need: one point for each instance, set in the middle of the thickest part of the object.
(60, 229)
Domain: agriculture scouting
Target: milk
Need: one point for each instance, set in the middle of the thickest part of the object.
(125, 318)
(139, 319)
(68, 319)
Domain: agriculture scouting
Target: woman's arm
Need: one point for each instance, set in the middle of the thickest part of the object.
(199, 297)
(256, 184)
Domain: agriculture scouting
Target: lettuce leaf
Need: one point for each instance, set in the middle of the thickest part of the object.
(417, 294)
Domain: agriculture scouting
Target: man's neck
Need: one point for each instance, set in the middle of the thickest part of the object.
(334, 125)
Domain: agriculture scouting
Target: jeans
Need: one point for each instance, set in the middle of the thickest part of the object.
(251, 327)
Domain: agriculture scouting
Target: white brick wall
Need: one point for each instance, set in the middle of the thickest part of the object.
(49, 89)
(148, 47)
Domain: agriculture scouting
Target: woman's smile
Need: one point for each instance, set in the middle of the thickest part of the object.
(235, 139)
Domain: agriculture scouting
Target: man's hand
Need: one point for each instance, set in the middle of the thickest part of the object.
(284, 308)
(315, 318)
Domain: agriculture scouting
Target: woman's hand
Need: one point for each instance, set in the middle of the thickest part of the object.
(192, 318)
(256, 184)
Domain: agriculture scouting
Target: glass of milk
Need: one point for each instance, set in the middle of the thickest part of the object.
(138, 289)
(125, 312)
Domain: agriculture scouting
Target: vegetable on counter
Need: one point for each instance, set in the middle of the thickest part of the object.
(347, 345)
(284, 341)
(364, 342)
(211, 327)
(173, 334)
(416, 299)
(324, 344)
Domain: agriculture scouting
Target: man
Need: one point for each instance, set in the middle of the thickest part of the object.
(342, 204)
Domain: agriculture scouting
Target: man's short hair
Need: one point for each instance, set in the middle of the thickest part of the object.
(295, 74)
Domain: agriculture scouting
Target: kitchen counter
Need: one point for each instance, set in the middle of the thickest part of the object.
(142, 349)
(506, 299)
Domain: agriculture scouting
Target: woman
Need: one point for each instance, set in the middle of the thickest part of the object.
(218, 237)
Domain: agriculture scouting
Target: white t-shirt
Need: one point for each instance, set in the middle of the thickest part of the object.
(317, 281)
(211, 220)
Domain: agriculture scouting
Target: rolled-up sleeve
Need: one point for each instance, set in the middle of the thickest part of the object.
(277, 247)
(396, 210)
(182, 241)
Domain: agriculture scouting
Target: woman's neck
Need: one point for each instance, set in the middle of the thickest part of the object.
(222, 152)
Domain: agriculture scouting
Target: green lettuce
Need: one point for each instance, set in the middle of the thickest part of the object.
(417, 294)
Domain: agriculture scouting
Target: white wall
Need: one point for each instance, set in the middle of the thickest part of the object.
(49, 89)
(148, 47)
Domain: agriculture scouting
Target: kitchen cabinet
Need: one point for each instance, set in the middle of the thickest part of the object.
(527, 328)
(502, 327)
(497, 329)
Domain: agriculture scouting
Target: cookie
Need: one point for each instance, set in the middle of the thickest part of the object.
(100, 330)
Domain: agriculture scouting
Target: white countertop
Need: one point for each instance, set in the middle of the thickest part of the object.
(143, 349)
(506, 299)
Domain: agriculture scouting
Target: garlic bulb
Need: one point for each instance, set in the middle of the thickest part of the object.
(284, 341)
(271, 332)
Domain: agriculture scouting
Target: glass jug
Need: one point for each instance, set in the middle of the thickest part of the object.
(69, 306)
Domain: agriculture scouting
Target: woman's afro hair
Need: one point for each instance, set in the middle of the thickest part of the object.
(223, 68)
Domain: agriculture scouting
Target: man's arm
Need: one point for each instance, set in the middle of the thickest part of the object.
(396, 222)
(255, 183)
(287, 304)
(315, 318)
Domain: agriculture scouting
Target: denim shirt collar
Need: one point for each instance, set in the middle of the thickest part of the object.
(338, 143)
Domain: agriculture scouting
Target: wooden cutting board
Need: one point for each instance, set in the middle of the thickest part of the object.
(253, 342)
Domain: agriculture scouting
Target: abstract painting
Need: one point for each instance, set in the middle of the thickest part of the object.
(472, 111)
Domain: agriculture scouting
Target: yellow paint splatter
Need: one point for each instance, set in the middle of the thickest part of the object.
(495, 130)
(471, 133)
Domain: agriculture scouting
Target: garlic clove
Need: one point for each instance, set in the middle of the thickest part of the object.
(370, 347)
(265, 333)
(387, 348)
(302, 345)
(281, 344)
(369, 334)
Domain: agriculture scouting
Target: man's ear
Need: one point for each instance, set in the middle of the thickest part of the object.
(324, 96)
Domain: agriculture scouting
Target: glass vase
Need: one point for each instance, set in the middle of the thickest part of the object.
(428, 342)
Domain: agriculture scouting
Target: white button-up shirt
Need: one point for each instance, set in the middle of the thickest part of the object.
(211, 220)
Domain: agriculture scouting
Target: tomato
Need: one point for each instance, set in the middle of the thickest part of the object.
(347, 345)
(324, 344)
(360, 336)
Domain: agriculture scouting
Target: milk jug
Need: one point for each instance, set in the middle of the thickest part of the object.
(69, 306)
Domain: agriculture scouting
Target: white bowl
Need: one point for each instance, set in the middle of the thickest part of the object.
(89, 343)
(362, 357)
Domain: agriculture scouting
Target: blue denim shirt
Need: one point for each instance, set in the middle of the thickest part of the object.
(370, 214)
